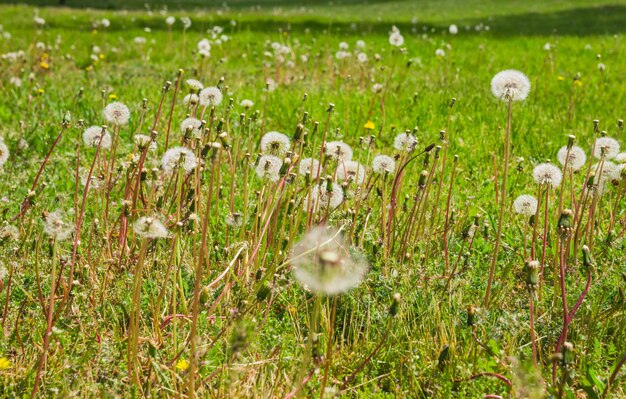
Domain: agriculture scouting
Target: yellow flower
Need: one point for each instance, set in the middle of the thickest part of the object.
(561, 78)
(112, 96)
(182, 364)
(369, 125)
(578, 83)
(5, 363)
(44, 65)
(101, 56)
(40, 91)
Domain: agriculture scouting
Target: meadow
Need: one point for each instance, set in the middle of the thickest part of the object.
(269, 199)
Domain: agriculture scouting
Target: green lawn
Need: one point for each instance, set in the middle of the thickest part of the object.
(254, 345)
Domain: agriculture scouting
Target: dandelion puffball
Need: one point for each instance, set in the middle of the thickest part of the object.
(323, 197)
(191, 124)
(576, 157)
(525, 205)
(95, 136)
(275, 143)
(611, 147)
(269, 167)
(351, 171)
(309, 165)
(4, 154)
(149, 227)
(194, 85)
(210, 96)
(383, 163)
(548, 174)
(179, 157)
(510, 85)
(338, 150)
(324, 263)
(404, 142)
(116, 114)
(396, 39)
(56, 227)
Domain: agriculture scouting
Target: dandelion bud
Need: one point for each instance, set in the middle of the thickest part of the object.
(442, 135)
(565, 223)
(471, 315)
(298, 133)
(452, 102)
(330, 107)
(568, 355)
(588, 260)
(570, 141)
(603, 133)
(596, 124)
(395, 304)
(437, 151)
(422, 180)
(591, 180)
(532, 275)
(426, 162)
(263, 292)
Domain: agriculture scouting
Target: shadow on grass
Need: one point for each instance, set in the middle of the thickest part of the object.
(584, 21)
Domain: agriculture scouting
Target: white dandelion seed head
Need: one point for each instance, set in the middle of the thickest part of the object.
(608, 171)
(3, 272)
(97, 135)
(344, 46)
(338, 150)
(179, 157)
(149, 227)
(548, 174)
(351, 171)
(453, 29)
(404, 142)
(210, 96)
(9, 232)
(204, 45)
(142, 141)
(234, 219)
(342, 54)
(383, 163)
(620, 158)
(95, 181)
(191, 124)
(324, 263)
(360, 44)
(525, 205)
(4, 153)
(510, 85)
(377, 88)
(310, 165)
(170, 20)
(275, 143)
(575, 159)
(191, 99)
(440, 53)
(55, 226)
(396, 39)
(611, 145)
(194, 84)
(322, 198)
(601, 67)
(246, 103)
(116, 114)
(362, 57)
(186, 22)
(605, 173)
(269, 167)
(270, 84)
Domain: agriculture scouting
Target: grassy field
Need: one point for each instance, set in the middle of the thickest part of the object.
(395, 285)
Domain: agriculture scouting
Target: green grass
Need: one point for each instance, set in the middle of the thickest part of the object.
(263, 349)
